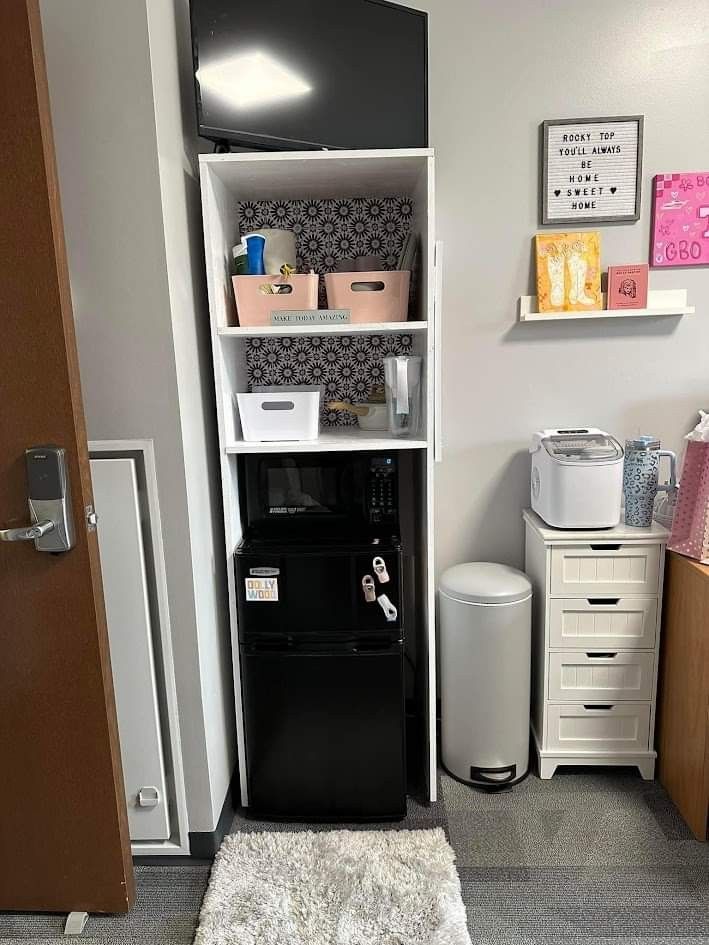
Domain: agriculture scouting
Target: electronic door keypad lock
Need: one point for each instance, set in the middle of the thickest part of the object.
(51, 527)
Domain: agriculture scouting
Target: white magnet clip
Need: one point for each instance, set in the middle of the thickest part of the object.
(370, 595)
(390, 611)
(380, 569)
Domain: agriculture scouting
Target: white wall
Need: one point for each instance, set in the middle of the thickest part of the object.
(127, 190)
(173, 92)
(497, 70)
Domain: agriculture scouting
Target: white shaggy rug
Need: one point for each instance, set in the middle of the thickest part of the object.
(339, 887)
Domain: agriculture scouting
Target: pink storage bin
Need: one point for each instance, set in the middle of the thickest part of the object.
(387, 301)
(254, 308)
(690, 525)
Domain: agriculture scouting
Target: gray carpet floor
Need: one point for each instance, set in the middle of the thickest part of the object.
(584, 859)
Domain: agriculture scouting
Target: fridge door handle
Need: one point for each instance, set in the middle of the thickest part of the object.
(325, 647)
(381, 647)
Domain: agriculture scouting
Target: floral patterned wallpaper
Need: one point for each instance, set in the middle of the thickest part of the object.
(329, 230)
(345, 366)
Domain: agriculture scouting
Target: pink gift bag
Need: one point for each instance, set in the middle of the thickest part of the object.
(690, 526)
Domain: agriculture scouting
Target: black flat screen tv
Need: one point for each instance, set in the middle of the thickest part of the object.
(299, 74)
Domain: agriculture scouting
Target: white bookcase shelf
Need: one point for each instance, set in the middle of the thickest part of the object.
(230, 179)
(283, 331)
(342, 439)
(660, 302)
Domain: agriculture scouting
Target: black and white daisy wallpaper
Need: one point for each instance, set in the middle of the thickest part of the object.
(345, 366)
(329, 230)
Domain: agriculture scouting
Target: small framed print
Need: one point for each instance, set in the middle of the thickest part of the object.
(591, 170)
(627, 286)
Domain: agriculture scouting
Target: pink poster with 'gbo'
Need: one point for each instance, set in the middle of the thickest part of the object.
(680, 220)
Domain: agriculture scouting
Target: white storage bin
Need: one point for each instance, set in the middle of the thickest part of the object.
(287, 415)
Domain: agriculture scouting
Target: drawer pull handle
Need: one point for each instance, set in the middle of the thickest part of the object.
(603, 708)
(603, 601)
(606, 547)
(601, 656)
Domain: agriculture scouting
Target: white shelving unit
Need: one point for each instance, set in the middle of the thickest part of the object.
(660, 302)
(226, 180)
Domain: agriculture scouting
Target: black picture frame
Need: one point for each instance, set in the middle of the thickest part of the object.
(544, 129)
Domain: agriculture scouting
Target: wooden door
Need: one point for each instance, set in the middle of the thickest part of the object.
(63, 829)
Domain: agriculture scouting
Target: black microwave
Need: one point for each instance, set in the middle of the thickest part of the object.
(305, 496)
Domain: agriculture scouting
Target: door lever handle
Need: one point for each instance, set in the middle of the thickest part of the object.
(51, 527)
(26, 532)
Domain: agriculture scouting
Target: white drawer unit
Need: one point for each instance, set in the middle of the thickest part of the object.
(603, 623)
(607, 728)
(600, 676)
(600, 568)
(597, 608)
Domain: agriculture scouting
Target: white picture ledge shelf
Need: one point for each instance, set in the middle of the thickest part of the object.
(660, 302)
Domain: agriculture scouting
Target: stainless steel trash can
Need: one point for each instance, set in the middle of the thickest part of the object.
(485, 650)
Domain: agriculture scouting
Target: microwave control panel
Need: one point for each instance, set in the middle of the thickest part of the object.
(382, 498)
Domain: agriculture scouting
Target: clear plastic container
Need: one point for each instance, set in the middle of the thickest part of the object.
(402, 383)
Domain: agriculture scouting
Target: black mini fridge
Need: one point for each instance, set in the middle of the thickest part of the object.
(322, 673)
